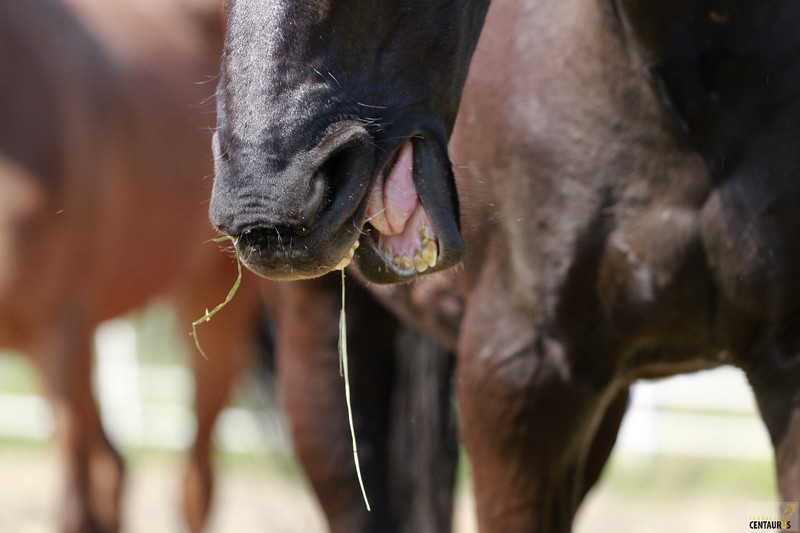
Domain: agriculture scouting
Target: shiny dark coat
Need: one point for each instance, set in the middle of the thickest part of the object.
(627, 194)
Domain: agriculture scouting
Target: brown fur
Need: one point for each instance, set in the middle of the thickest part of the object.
(605, 245)
(104, 173)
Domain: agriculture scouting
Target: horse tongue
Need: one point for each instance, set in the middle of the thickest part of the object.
(394, 199)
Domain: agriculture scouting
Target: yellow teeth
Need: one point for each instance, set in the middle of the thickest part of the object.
(430, 251)
(420, 264)
(403, 262)
(419, 260)
(347, 258)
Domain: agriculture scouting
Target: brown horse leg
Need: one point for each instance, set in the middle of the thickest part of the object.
(779, 401)
(604, 440)
(94, 469)
(312, 391)
(526, 425)
(424, 451)
(525, 447)
(787, 460)
(225, 340)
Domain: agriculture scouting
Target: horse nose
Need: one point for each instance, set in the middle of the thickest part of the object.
(342, 163)
(295, 192)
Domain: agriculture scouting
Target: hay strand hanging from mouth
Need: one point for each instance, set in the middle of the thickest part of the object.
(231, 293)
(343, 371)
(343, 365)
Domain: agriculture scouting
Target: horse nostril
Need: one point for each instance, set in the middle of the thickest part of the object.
(347, 162)
(316, 191)
(332, 174)
(315, 202)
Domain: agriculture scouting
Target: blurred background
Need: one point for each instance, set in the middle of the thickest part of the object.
(692, 451)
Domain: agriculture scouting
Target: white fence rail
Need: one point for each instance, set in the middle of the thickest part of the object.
(708, 414)
(142, 406)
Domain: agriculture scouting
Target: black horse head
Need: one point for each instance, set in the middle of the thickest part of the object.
(333, 123)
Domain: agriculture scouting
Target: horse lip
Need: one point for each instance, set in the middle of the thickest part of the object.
(342, 225)
(335, 228)
(288, 261)
(437, 196)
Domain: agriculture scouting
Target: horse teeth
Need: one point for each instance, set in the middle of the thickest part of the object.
(419, 263)
(348, 257)
(430, 252)
(425, 233)
(419, 260)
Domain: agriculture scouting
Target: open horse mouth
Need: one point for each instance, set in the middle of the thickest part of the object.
(400, 226)
(402, 237)
(398, 221)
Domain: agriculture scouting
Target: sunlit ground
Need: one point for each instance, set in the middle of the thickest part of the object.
(263, 494)
(688, 461)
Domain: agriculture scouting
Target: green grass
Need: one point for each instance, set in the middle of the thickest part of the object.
(17, 374)
(276, 463)
(664, 475)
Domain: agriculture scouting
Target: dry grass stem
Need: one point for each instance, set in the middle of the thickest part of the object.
(231, 293)
(344, 372)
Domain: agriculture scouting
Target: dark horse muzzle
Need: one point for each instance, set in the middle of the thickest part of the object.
(332, 137)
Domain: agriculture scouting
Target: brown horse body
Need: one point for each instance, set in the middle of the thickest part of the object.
(104, 171)
(618, 265)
